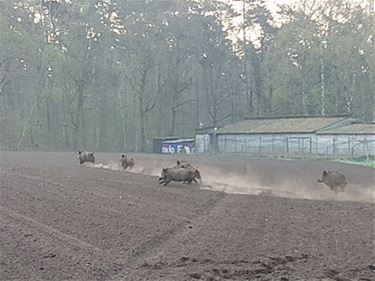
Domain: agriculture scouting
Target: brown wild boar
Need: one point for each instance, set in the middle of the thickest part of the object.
(86, 157)
(335, 180)
(179, 174)
(127, 162)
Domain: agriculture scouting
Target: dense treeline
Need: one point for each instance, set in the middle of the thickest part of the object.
(112, 75)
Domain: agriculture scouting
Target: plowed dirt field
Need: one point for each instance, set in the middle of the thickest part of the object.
(248, 220)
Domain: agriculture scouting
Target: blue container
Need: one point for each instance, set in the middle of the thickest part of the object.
(184, 146)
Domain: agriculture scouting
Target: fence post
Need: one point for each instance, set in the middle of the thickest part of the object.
(287, 145)
(273, 145)
(260, 146)
(334, 146)
(366, 146)
(349, 150)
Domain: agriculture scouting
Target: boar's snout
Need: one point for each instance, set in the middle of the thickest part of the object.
(197, 174)
(323, 176)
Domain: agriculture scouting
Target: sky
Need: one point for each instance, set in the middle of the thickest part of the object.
(272, 4)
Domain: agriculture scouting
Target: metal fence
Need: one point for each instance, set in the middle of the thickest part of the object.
(343, 146)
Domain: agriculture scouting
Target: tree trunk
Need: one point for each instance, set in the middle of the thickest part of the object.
(175, 98)
(122, 104)
(79, 120)
(3, 124)
(173, 122)
(322, 84)
(270, 96)
(49, 121)
(161, 112)
(65, 123)
(303, 97)
(142, 124)
(197, 101)
(142, 111)
(49, 117)
(258, 84)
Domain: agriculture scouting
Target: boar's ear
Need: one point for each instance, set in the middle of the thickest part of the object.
(79, 152)
(178, 162)
(325, 173)
(122, 155)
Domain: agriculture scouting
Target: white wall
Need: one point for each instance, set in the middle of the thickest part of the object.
(202, 143)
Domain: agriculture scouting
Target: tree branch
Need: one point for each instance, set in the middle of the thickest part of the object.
(182, 104)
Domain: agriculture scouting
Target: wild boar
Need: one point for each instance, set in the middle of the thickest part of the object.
(86, 157)
(179, 174)
(127, 162)
(335, 180)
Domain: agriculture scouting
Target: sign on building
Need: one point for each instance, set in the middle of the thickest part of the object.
(184, 146)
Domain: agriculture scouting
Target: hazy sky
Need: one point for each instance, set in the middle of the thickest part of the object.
(272, 4)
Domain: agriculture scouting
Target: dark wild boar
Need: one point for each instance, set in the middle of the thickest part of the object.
(86, 157)
(127, 162)
(335, 180)
(180, 175)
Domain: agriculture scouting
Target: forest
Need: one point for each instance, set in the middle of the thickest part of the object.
(111, 75)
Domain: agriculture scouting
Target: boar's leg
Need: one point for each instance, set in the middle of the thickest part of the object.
(167, 181)
(195, 181)
(334, 189)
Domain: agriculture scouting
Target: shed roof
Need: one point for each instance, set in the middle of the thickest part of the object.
(351, 129)
(280, 125)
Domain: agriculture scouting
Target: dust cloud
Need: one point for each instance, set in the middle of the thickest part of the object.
(252, 183)
(114, 166)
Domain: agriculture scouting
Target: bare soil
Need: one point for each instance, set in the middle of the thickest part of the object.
(250, 220)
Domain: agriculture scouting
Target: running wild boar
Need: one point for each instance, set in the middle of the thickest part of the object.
(127, 162)
(86, 157)
(335, 180)
(180, 175)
